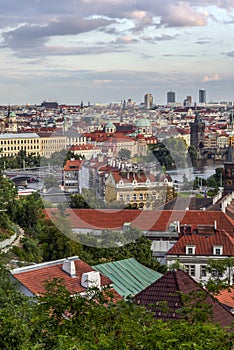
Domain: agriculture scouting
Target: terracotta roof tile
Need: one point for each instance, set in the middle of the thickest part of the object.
(72, 165)
(166, 289)
(152, 220)
(34, 279)
(204, 244)
(226, 297)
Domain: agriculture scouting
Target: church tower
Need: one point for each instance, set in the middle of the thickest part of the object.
(228, 172)
(197, 129)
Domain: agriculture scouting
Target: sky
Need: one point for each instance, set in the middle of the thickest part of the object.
(103, 51)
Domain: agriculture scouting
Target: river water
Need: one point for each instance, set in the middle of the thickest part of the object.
(203, 169)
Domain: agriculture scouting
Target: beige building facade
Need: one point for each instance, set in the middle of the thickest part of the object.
(135, 189)
(51, 144)
(12, 144)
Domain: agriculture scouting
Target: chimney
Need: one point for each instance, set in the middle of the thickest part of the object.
(178, 226)
(215, 225)
(91, 279)
(69, 266)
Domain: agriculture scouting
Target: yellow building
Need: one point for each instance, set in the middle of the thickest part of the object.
(32, 143)
(134, 188)
(11, 144)
(51, 143)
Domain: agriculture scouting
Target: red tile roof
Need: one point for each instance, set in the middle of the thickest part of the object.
(226, 297)
(152, 220)
(118, 175)
(166, 289)
(82, 147)
(204, 244)
(72, 165)
(35, 277)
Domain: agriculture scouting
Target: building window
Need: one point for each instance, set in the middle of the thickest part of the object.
(134, 197)
(218, 250)
(190, 270)
(215, 273)
(190, 249)
(203, 270)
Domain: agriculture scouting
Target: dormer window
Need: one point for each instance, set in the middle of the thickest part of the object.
(190, 249)
(218, 250)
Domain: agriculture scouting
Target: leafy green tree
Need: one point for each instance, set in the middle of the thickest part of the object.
(29, 250)
(192, 154)
(171, 152)
(15, 314)
(211, 181)
(56, 245)
(50, 181)
(77, 201)
(218, 268)
(124, 153)
(7, 195)
(28, 213)
(61, 322)
(140, 249)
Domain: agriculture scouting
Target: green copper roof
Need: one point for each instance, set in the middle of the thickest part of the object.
(110, 125)
(129, 277)
(143, 122)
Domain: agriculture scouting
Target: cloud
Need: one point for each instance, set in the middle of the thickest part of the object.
(214, 77)
(164, 37)
(100, 82)
(183, 15)
(230, 54)
(126, 39)
(203, 41)
(32, 39)
(33, 23)
(227, 5)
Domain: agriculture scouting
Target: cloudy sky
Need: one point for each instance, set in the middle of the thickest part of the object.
(109, 50)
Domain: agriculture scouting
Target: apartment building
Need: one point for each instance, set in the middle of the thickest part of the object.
(11, 144)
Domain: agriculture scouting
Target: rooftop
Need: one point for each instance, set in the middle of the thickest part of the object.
(204, 243)
(150, 220)
(129, 277)
(168, 289)
(33, 277)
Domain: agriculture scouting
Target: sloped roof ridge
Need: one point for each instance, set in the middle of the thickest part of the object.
(38, 266)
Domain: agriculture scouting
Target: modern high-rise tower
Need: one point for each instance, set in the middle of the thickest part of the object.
(170, 97)
(148, 100)
(202, 96)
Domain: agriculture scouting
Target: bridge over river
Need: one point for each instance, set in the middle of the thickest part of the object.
(214, 153)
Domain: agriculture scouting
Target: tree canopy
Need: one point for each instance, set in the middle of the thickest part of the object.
(61, 322)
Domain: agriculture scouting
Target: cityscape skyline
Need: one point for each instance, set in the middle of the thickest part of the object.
(113, 50)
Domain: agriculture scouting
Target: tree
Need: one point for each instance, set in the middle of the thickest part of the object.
(218, 268)
(77, 201)
(61, 322)
(53, 242)
(28, 213)
(139, 248)
(192, 153)
(124, 153)
(171, 152)
(50, 181)
(7, 195)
